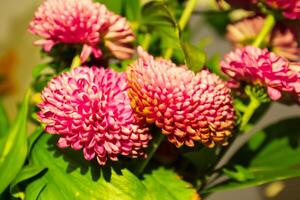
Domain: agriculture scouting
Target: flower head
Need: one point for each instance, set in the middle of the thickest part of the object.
(187, 107)
(90, 109)
(70, 21)
(290, 8)
(82, 22)
(282, 40)
(257, 66)
(295, 67)
(119, 37)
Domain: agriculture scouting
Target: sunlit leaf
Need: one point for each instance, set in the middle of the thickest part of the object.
(14, 151)
(26, 173)
(4, 126)
(70, 176)
(34, 136)
(165, 184)
(34, 189)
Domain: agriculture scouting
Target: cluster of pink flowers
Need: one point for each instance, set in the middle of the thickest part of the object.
(90, 109)
(259, 66)
(107, 114)
(187, 107)
(82, 22)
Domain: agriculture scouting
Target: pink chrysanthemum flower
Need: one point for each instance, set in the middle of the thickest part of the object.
(257, 66)
(90, 109)
(290, 8)
(119, 37)
(187, 107)
(70, 21)
(296, 68)
(282, 40)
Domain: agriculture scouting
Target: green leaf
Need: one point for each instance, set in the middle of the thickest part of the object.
(165, 184)
(34, 136)
(113, 5)
(27, 172)
(240, 174)
(34, 189)
(36, 72)
(14, 151)
(194, 56)
(133, 10)
(156, 18)
(4, 125)
(213, 64)
(270, 155)
(70, 176)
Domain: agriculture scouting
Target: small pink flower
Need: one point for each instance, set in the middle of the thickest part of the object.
(282, 40)
(290, 8)
(257, 66)
(119, 37)
(70, 21)
(187, 107)
(295, 67)
(90, 109)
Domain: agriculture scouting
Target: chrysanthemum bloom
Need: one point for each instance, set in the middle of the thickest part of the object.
(244, 31)
(296, 68)
(187, 107)
(284, 43)
(70, 21)
(261, 67)
(290, 8)
(119, 37)
(90, 109)
(282, 40)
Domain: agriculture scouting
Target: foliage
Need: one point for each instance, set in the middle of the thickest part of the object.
(272, 155)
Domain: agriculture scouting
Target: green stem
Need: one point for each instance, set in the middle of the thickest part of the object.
(251, 108)
(168, 53)
(187, 12)
(76, 62)
(190, 6)
(267, 28)
(155, 146)
(146, 41)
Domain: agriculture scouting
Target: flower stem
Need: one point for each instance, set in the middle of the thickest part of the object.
(187, 12)
(191, 4)
(250, 110)
(146, 42)
(267, 28)
(76, 62)
(155, 146)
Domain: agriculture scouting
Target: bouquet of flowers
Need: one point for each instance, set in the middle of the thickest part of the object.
(126, 107)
